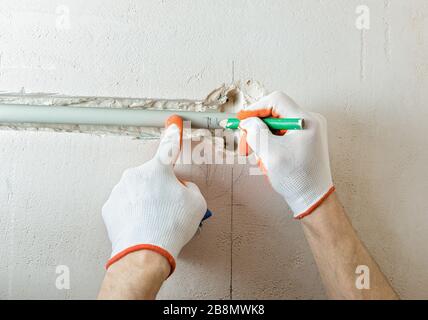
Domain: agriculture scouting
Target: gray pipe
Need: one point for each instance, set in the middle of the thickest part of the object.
(14, 113)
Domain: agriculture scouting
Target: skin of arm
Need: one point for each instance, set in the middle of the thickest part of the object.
(338, 251)
(137, 276)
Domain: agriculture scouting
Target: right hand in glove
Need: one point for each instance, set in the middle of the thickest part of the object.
(297, 162)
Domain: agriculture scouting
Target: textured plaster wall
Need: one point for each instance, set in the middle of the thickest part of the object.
(371, 86)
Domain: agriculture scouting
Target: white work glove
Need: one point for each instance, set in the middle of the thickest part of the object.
(297, 162)
(151, 209)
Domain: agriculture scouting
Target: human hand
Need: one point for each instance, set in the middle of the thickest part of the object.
(297, 162)
(150, 208)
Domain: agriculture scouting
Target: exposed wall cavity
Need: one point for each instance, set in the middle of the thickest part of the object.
(226, 98)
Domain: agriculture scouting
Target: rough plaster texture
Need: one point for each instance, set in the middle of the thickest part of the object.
(52, 185)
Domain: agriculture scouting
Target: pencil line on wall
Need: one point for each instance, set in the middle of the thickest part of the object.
(363, 56)
(233, 71)
(231, 240)
(387, 32)
(11, 255)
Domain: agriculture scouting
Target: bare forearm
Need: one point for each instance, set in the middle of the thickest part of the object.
(338, 252)
(139, 275)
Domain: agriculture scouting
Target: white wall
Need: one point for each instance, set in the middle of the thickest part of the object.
(371, 86)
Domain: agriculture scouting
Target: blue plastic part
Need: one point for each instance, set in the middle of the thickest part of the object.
(207, 215)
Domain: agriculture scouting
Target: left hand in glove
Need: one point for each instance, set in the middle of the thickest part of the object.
(150, 209)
